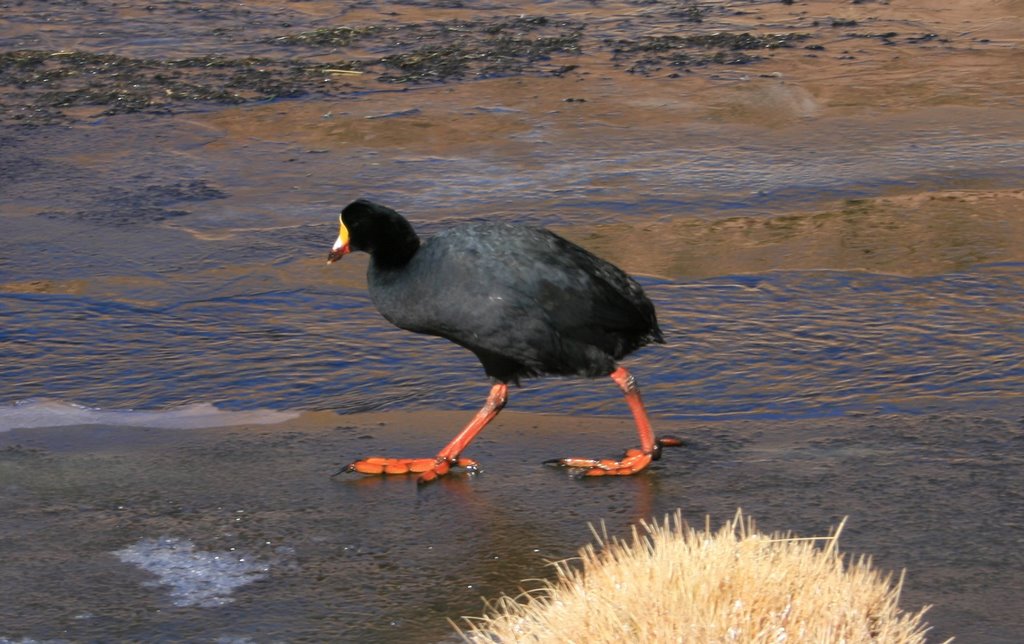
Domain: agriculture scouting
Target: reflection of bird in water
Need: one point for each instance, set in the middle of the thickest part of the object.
(524, 300)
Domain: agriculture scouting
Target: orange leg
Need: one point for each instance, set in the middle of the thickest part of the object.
(634, 460)
(430, 469)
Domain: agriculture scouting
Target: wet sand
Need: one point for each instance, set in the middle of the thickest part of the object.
(375, 558)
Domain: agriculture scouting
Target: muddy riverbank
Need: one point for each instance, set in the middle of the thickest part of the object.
(66, 61)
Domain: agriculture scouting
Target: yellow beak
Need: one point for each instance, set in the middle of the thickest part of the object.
(340, 248)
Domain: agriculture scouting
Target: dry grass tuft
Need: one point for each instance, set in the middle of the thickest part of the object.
(673, 583)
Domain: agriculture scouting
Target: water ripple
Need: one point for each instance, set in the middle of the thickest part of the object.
(781, 344)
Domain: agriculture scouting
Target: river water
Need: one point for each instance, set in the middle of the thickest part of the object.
(832, 235)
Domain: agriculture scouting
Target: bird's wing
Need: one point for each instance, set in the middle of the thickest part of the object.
(515, 287)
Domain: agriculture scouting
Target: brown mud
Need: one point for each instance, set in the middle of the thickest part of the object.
(263, 52)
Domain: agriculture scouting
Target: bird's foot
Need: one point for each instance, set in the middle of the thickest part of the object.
(634, 460)
(429, 469)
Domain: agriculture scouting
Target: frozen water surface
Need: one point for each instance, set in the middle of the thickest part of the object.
(54, 413)
(193, 577)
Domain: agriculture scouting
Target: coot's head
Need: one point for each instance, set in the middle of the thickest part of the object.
(377, 230)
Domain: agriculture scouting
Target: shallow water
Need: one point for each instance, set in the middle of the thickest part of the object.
(190, 294)
(832, 237)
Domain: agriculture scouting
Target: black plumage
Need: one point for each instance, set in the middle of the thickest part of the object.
(526, 301)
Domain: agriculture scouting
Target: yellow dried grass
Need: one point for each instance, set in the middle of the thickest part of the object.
(673, 583)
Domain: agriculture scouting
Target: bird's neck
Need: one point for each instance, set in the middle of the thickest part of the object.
(397, 253)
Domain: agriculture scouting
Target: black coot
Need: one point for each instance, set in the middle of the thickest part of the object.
(524, 300)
